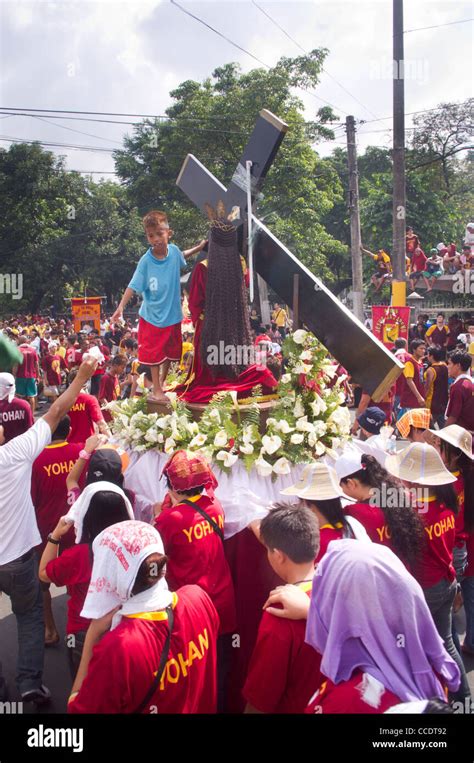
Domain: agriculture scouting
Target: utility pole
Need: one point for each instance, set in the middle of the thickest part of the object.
(356, 255)
(399, 192)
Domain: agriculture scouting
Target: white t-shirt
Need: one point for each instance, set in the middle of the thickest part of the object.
(18, 528)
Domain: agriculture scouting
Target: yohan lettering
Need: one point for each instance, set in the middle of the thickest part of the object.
(179, 668)
(47, 737)
(63, 467)
(201, 530)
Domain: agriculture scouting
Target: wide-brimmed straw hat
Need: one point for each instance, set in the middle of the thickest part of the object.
(318, 482)
(457, 436)
(419, 463)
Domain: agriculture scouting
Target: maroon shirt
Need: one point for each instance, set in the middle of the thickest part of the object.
(109, 390)
(461, 403)
(15, 417)
(52, 365)
(27, 369)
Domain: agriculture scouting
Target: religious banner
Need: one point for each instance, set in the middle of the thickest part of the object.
(86, 312)
(390, 323)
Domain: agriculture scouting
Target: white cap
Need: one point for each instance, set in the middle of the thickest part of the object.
(7, 387)
(349, 463)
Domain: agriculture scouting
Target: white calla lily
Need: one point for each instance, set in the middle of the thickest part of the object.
(306, 355)
(215, 415)
(299, 336)
(282, 466)
(169, 445)
(198, 441)
(286, 379)
(283, 426)
(246, 448)
(298, 410)
(228, 459)
(264, 469)
(271, 443)
(220, 439)
(296, 439)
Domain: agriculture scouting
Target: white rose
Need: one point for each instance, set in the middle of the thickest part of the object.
(271, 444)
(286, 379)
(246, 448)
(282, 466)
(264, 469)
(198, 441)
(341, 419)
(303, 425)
(320, 428)
(228, 459)
(220, 439)
(299, 336)
(306, 355)
(283, 426)
(296, 439)
(169, 445)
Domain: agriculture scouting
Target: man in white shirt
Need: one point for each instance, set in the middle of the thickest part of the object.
(19, 535)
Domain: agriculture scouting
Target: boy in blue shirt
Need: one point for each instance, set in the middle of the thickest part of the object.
(157, 279)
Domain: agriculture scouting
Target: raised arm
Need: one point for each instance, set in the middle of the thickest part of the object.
(62, 405)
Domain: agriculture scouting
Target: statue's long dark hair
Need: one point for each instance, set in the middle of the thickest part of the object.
(226, 315)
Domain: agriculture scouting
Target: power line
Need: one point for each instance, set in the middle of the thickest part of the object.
(306, 53)
(436, 26)
(71, 129)
(239, 47)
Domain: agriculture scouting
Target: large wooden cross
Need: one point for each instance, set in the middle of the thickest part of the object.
(369, 363)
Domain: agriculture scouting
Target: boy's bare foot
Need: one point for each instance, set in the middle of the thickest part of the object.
(158, 398)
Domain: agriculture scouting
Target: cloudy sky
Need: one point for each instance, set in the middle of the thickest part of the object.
(109, 56)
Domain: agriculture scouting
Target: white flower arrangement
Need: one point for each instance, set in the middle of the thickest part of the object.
(307, 422)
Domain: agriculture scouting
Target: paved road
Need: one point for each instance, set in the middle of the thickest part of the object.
(56, 672)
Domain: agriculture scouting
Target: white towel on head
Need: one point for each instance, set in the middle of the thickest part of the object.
(78, 510)
(118, 551)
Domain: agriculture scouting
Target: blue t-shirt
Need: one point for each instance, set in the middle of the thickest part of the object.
(158, 282)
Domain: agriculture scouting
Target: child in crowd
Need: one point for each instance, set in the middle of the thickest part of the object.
(110, 384)
(157, 279)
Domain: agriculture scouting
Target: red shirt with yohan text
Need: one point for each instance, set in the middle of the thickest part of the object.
(48, 486)
(436, 561)
(125, 661)
(196, 554)
(84, 414)
(284, 671)
(15, 417)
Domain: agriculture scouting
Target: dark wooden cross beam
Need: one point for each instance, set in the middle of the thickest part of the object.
(369, 363)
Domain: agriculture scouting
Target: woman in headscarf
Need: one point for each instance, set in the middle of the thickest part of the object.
(160, 653)
(100, 505)
(369, 620)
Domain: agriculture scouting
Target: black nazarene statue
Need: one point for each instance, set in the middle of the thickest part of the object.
(219, 311)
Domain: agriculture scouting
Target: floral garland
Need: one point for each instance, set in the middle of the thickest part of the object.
(307, 422)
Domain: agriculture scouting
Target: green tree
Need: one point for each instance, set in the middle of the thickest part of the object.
(213, 120)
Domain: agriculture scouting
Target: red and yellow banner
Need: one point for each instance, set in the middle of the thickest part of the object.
(390, 323)
(86, 311)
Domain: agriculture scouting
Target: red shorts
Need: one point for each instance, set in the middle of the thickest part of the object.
(155, 344)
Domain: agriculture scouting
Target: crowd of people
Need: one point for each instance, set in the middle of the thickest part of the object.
(167, 613)
(443, 259)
